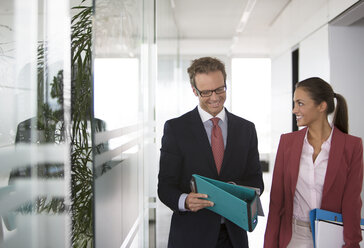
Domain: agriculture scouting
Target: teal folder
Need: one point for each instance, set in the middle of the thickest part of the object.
(236, 203)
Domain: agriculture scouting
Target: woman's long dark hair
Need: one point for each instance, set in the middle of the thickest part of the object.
(321, 91)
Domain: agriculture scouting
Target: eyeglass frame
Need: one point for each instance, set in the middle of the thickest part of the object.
(211, 91)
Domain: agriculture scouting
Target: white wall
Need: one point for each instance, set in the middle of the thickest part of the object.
(314, 55)
(281, 102)
(347, 63)
(300, 19)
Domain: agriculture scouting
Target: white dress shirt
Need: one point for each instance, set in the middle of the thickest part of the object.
(311, 177)
(206, 120)
(205, 117)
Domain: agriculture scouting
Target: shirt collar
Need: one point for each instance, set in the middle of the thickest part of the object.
(327, 143)
(205, 116)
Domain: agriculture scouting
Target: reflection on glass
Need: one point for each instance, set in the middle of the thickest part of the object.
(49, 128)
(117, 28)
(32, 140)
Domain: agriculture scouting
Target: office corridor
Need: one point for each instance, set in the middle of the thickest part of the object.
(87, 85)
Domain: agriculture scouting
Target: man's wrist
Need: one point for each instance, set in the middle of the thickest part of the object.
(182, 203)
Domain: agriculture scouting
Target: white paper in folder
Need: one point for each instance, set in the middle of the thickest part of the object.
(329, 234)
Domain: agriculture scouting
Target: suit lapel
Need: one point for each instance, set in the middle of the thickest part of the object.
(229, 139)
(294, 160)
(200, 135)
(333, 164)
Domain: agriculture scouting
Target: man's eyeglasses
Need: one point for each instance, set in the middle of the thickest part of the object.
(207, 93)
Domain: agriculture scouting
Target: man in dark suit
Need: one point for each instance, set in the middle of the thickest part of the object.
(190, 146)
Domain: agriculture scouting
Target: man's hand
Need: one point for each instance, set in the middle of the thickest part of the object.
(195, 203)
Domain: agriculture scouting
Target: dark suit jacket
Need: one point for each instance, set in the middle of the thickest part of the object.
(186, 150)
(341, 190)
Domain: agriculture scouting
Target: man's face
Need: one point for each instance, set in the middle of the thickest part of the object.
(211, 81)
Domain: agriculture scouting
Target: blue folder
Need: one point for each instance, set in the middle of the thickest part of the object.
(324, 215)
(236, 203)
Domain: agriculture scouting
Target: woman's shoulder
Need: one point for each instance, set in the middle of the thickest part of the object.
(350, 141)
(355, 139)
(293, 138)
(295, 134)
(348, 137)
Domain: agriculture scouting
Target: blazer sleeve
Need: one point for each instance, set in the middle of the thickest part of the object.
(170, 169)
(351, 203)
(276, 205)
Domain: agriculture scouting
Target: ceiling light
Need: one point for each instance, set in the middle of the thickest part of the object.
(173, 5)
(245, 16)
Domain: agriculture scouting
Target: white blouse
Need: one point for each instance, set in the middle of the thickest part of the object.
(311, 177)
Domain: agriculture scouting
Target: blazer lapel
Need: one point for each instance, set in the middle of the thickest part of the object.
(200, 135)
(333, 164)
(295, 157)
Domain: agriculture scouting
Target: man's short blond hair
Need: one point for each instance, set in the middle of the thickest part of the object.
(205, 65)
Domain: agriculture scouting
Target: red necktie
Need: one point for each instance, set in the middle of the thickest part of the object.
(217, 143)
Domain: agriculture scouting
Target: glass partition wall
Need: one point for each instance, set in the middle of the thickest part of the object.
(35, 108)
(77, 133)
(124, 137)
(169, 96)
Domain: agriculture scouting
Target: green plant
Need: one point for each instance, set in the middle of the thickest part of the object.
(81, 147)
(52, 122)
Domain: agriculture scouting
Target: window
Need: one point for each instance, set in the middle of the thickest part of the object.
(251, 87)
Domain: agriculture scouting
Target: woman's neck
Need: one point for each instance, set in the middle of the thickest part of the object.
(319, 132)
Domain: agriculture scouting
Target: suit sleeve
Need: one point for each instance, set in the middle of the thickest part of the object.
(253, 176)
(351, 203)
(170, 169)
(276, 205)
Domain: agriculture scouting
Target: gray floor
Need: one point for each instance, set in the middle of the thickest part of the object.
(256, 237)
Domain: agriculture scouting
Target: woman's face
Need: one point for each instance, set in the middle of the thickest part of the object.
(305, 109)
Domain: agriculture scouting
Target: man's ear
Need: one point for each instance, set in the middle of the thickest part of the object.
(194, 90)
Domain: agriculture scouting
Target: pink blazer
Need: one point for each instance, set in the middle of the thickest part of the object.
(341, 190)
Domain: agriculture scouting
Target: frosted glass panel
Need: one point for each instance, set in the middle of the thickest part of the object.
(118, 92)
(34, 176)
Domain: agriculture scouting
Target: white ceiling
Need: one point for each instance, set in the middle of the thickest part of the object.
(219, 19)
(213, 22)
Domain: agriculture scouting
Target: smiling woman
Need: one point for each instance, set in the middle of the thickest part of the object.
(313, 163)
(305, 109)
